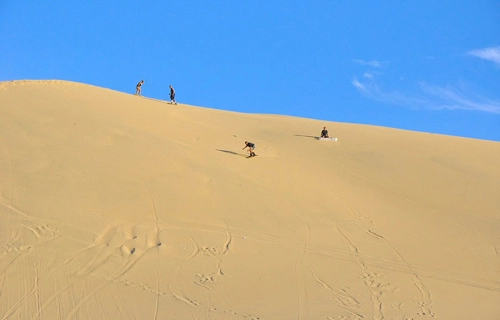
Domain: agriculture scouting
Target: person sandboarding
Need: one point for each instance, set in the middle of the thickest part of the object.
(324, 133)
(251, 147)
(326, 136)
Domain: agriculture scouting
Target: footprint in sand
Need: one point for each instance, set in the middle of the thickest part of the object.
(206, 278)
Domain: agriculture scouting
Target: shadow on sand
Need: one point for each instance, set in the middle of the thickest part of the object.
(304, 136)
(231, 152)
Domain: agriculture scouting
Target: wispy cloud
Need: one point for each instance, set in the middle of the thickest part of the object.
(491, 54)
(361, 87)
(424, 95)
(373, 63)
(455, 98)
(368, 75)
(373, 90)
(427, 97)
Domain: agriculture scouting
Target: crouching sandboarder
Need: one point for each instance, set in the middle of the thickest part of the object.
(251, 147)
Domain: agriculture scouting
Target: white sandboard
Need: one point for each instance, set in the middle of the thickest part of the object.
(327, 139)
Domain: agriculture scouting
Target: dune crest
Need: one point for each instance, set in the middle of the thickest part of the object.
(114, 206)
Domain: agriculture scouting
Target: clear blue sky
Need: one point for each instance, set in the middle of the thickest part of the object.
(423, 65)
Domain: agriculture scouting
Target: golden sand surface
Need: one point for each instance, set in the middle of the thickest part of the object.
(115, 206)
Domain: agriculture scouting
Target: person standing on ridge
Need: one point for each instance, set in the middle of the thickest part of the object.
(251, 147)
(172, 95)
(138, 87)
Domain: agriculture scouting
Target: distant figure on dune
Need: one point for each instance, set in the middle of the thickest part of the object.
(251, 147)
(324, 133)
(172, 95)
(138, 88)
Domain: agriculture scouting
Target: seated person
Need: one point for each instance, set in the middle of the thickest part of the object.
(324, 133)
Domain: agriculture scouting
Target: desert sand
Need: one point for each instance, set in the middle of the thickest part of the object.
(115, 206)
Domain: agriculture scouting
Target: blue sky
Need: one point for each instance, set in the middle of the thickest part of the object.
(423, 65)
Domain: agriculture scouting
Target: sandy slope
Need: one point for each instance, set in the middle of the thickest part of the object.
(114, 206)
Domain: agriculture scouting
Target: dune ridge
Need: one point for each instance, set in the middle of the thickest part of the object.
(115, 206)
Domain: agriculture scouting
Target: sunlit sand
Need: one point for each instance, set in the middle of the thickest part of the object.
(116, 206)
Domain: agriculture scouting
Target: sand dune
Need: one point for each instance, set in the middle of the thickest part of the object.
(114, 206)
